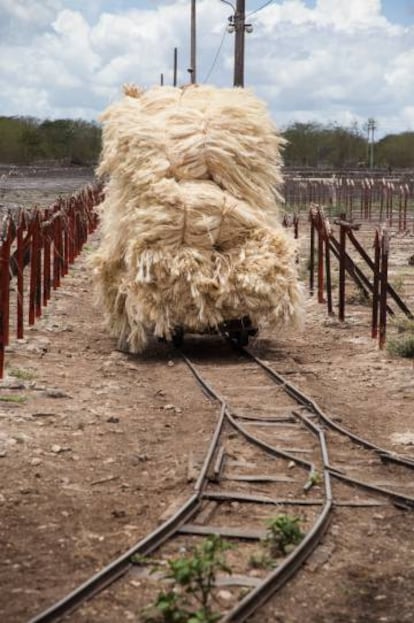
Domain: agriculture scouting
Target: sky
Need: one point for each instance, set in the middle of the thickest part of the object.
(326, 61)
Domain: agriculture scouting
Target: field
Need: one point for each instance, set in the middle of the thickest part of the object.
(91, 440)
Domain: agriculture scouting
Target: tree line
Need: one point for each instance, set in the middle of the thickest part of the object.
(25, 140)
(333, 146)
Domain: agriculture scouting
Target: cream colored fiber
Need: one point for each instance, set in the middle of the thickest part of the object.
(191, 233)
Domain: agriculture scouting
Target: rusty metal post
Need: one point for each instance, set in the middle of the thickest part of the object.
(312, 255)
(328, 269)
(34, 269)
(5, 293)
(296, 226)
(65, 245)
(383, 288)
(20, 276)
(38, 299)
(46, 260)
(342, 260)
(376, 281)
(57, 248)
(321, 298)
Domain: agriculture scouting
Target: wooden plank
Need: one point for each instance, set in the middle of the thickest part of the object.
(230, 533)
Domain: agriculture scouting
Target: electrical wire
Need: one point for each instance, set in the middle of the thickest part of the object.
(260, 8)
(213, 64)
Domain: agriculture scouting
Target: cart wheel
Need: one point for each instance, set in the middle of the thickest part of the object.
(178, 337)
(240, 338)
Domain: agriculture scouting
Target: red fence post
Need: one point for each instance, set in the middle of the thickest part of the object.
(5, 291)
(57, 250)
(320, 258)
(34, 269)
(383, 288)
(342, 259)
(312, 254)
(20, 276)
(376, 281)
(46, 258)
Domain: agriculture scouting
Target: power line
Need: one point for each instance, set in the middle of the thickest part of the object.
(213, 64)
(260, 8)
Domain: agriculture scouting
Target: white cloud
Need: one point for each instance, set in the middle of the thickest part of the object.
(336, 60)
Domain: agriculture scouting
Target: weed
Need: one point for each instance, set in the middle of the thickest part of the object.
(193, 577)
(261, 560)
(399, 285)
(283, 532)
(403, 345)
(405, 325)
(358, 296)
(13, 398)
(20, 373)
(313, 480)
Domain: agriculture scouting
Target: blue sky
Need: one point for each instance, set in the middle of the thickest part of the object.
(311, 60)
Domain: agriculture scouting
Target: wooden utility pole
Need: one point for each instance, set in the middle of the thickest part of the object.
(175, 68)
(239, 27)
(193, 68)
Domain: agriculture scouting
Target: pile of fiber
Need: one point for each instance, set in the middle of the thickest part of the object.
(191, 234)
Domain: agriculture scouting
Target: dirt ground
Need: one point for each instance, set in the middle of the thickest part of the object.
(94, 446)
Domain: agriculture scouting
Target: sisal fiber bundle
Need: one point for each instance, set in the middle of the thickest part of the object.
(191, 235)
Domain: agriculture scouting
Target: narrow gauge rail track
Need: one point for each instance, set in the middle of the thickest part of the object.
(273, 447)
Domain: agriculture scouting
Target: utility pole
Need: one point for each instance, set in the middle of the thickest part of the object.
(175, 68)
(193, 68)
(239, 18)
(237, 24)
(371, 127)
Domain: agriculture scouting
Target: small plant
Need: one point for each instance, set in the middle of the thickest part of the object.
(261, 560)
(19, 373)
(403, 345)
(399, 285)
(358, 297)
(283, 532)
(193, 577)
(13, 398)
(313, 480)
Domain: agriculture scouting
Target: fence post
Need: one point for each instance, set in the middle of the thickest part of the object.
(383, 288)
(376, 281)
(34, 269)
(320, 257)
(5, 290)
(46, 259)
(20, 276)
(312, 254)
(342, 259)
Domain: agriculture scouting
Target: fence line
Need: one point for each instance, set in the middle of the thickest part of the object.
(375, 286)
(45, 242)
(389, 200)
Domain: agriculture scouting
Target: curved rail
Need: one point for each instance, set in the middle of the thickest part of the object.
(179, 523)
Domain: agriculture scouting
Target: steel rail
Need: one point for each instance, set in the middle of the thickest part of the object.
(275, 580)
(120, 566)
(311, 405)
(399, 499)
(117, 568)
(280, 576)
(273, 450)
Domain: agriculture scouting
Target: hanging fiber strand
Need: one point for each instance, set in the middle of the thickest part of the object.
(190, 225)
